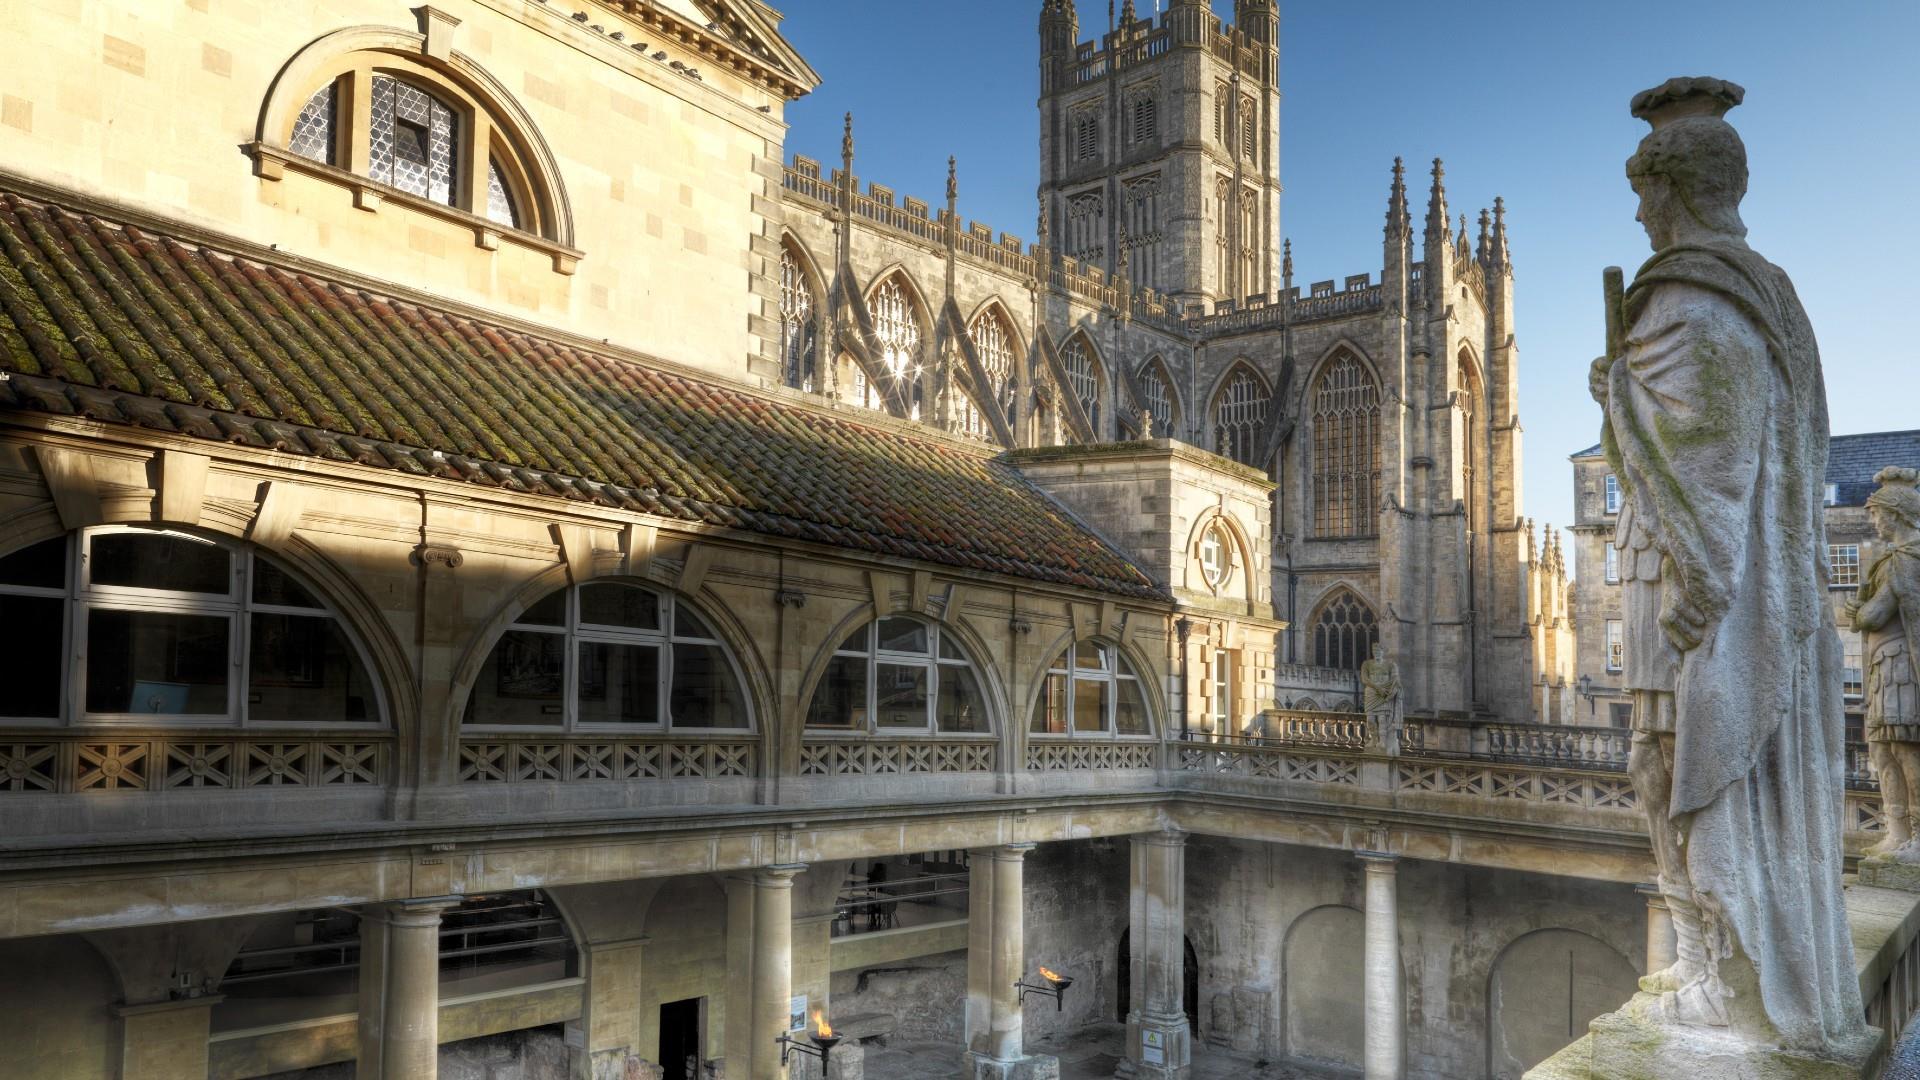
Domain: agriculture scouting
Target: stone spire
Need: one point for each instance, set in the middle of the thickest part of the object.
(1460, 248)
(1502, 258)
(1398, 218)
(953, 184)
(846, 146)
(1483, 247)
(1286, 267)
(1127, 17)
(1437, 211)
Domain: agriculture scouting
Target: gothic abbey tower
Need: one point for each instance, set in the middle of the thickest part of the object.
(1162, 140)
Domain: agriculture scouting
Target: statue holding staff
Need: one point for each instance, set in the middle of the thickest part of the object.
(1887, 614)
(1716, 425)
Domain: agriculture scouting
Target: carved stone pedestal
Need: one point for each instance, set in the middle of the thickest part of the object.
(1158, 1047)
(1637, 1043)
(1038, 1067)
(1882, 872)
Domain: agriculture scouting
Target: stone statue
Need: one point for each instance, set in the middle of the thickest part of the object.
(1716, 424)
(1380, 698)
(1887, 614)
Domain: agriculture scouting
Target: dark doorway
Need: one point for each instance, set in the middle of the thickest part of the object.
(1190, 980)
(681, 1054)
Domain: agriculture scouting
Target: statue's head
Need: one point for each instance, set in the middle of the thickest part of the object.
(1691, 170)
(1895, 508)
(1379, 651)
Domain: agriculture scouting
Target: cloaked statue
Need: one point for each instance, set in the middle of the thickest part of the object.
(1716, 424)
(1886, 612)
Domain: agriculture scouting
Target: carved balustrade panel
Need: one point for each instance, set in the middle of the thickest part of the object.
(1342, 731)
(1268, 763)
(529, 760)
(1086, 755)
(66, 762)
(845, 757)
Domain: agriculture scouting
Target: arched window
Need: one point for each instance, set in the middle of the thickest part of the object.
(1092, 690)
(898, 333)
(993, 343)
(1160, 399)
(152, 626)
(797, 330)
(1240, 418)
(1216, 555)
(610, 655)
(1469, 433)
(1344, 632)
(898, 676)
(1083, 378)
(1346, 450)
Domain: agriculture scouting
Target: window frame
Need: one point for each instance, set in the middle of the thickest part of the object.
(939, 638)
(1611, 560)
(80, 596)
(1109, 674)
(1843, 557)
(1613, 646)
(575, 633)
(1610, 495)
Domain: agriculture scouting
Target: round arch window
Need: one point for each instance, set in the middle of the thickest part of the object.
(1092, 690)
(144, 626)
(900, 676)
(610, 655)
(1216, 555)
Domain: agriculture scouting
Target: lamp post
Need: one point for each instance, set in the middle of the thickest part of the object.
(1586, 691)
(1055, 987)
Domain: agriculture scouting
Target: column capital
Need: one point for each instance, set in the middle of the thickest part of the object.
(1378, 862)
(778, 876)
(1170, 836)
(415, 911)
(1014, 852)
(1655, 897)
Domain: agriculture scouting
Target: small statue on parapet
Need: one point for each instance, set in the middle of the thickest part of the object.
(1380, 697)
(1887, 615)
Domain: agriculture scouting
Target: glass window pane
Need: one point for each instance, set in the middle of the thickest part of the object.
(1090, 704)
(42, 566)
(1130, 711)
(949, 648)
(962, 707)
(903, 635)
(31, 666)
(856, 641)
(549, 610)
(705, 694)
(312, 135)
(1050, 716)
(1088, 656)
(523, 681)
(688, 625)
(160, 561)
(901, 699)
(272, 585)
(157, 662)
(499, 201)
(619, 605)
(840, 701)
(619, 684)
(302, 669)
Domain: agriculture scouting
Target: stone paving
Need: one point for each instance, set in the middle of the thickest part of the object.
(1088, 1054)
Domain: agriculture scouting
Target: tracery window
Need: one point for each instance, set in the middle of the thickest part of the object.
(899, 675)
(1344, 632)
(1346, 450)
(1159, 397)
(1091, 690)
(898, 333)
(1240, 418)
(993, 344)
(798, 340)
(1083, 378)
(152, 626)
(970, 418)
(1146, 116)
(610, 655)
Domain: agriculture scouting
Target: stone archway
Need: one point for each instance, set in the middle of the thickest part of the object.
(1543, 991)
(65, 986)
(1326, 987)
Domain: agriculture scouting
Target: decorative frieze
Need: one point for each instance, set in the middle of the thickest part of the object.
(524, 761)
(59, 764)
(1088, 755)
(848, 758)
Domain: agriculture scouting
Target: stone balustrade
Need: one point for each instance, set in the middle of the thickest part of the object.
(883, 757)
(134, 760)
(520, 760)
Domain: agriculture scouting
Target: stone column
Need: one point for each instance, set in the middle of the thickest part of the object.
(1386, 1050)
(166, 1040)
(400, 989)
(996, 960)
(1159, 1040)
(769, 975)
(1661, 952)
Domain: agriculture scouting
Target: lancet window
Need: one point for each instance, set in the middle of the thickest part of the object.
(1240, 418)
(798, 332)
(1083, 378)
(898, 333)
(610, 655)
(993, 344)
(1344, 632)
(1346, 450)
(1159, 397)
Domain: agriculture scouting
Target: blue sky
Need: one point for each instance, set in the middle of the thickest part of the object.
(1527, 100)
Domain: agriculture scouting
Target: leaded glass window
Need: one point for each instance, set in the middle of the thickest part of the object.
(313, 128)
(993, 344)
(1083, 378)
(499, 198)
(1344, 632)
(1240, 418)
(412, 142)
(797, 331)
(1159, 398)
(971, 418)
(1346, 450)
(898, 333)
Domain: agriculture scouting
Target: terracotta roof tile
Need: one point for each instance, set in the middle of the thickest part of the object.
(113, 322)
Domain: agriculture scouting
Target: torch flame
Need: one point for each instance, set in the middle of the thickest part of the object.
(1049, 975)
(821, 1026)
